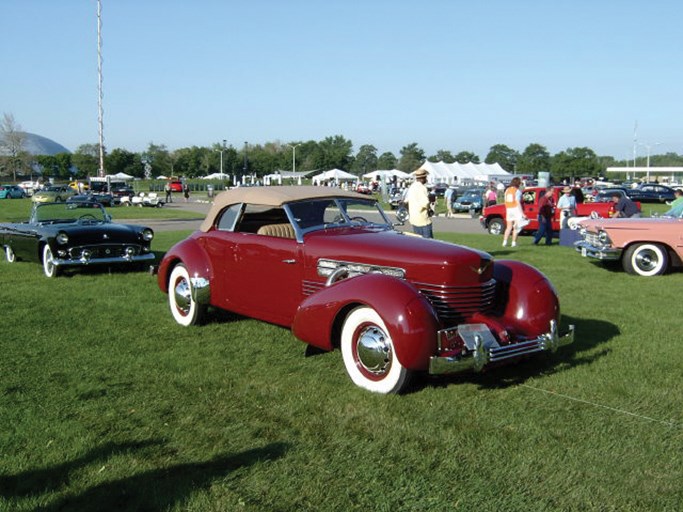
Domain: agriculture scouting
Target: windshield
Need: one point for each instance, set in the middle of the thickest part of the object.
(316, 214)
(54, 213)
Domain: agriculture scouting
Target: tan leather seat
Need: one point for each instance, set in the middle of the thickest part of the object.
(277, 230)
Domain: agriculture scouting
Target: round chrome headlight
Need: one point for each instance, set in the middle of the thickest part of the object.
(147, 235)
(602, 236)
(62, 238)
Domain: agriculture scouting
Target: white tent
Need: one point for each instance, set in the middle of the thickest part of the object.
(384, 174)
(334, 174)
(441, 172)
(217, 176)
(121, 176)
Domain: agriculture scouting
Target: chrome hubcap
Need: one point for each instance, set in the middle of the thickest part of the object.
(647, 260)
(183, 296)
(374, 352)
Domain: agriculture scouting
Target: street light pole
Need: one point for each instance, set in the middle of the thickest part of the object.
(648, 147)
(293, 146)
(244, 169)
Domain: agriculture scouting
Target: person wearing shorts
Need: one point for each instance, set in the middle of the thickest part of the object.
(513, 211)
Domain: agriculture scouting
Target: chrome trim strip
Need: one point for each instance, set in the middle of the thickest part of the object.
(479, 356)
(601, 253)
(103, 261)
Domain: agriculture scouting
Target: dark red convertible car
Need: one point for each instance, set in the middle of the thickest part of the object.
(329, 265)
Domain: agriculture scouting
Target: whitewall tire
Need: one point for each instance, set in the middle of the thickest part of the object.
(646, 260)
(184, 307)
(9, 254)
(49, 267)
(369, 353)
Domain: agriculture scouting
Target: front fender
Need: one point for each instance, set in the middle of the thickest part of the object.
(409, 317)
(189, 253)
(526, 300)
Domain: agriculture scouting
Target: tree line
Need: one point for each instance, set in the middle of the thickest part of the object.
(262, 159)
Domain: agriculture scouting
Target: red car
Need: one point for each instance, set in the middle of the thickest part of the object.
(328, 264)
(176, 186)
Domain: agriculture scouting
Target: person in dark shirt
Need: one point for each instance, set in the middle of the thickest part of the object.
(624, 207)
(546, 209)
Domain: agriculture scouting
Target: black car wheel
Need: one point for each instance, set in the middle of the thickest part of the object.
(646, 260)
(9, 254)
(496, 226)
(51, 270)
(184, 308)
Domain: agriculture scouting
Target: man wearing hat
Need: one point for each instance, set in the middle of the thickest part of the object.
(567, 205)
(418, 201)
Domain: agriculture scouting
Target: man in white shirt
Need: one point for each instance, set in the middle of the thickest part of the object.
(418, 201)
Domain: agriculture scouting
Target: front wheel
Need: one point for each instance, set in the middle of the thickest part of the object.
(184, 308)
(496, 226)
(646, 260)
(49, 267)
(369, 354)
(9, 254)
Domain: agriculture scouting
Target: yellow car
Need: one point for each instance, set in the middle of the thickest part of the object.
(53, 194)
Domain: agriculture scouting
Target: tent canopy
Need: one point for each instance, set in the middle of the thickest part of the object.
(462, 173)
(335, 174)
(384, 174)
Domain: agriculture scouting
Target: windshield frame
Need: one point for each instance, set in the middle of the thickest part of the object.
(68, 213)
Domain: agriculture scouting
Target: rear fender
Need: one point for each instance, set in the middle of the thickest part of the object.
(189, 253)
(410, 319)
(526, 300)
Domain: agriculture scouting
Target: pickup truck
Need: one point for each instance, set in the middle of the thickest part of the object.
(493, 217)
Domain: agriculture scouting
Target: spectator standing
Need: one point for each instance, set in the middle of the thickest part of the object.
(567, 204)
(513, 211)
(167, 189)
(491, 196)
(624, 207)
(419, 205)
(448, 197)
(186, 192)
(546, 209)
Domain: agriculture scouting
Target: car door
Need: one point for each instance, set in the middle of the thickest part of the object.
(265, 274)
(530, 206)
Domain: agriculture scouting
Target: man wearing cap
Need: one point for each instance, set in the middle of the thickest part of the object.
(417, 198)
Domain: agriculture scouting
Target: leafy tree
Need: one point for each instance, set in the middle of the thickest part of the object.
(534, 159)
(412, 157)
(12, 140)
(335, 152)
(574, 163)
(465, 157)
(366, 160)
(504, 156)
(86, 158)
(158, 157)
(57, 166)
(387, 161)
(121, 160)
(442, 155)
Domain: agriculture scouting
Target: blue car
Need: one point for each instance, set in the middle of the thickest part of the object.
(11, 192)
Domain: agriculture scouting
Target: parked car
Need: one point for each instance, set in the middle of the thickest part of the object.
(645, 247)
(53, 194)
(648, 193)
(101, 198)
(72, 235)
(493, 217)
(328, 264)
(438, 189)
(11, 192)
(142, 199)
(363, 188)
(176, 186)
(470, 201)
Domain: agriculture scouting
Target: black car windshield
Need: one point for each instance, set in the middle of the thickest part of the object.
(54, 213)
(316, 214)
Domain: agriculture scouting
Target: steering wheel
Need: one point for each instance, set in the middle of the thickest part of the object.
(358, 218)
(86, 217)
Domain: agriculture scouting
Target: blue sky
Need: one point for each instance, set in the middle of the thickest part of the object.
(445, 74)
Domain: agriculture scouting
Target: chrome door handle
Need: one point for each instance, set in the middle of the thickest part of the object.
(289, 262)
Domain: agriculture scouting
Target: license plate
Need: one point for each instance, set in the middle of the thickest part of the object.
(584, 252)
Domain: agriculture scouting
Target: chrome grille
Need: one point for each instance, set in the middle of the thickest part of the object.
(592, 238)
(454, 304)
(104, 250)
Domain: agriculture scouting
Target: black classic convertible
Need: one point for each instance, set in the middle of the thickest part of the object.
(61, 235)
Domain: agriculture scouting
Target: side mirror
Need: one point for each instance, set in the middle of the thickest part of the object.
(402, 215)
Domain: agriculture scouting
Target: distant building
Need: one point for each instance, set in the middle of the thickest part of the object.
(39, 145)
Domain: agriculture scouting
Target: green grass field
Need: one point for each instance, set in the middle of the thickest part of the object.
(107, 404)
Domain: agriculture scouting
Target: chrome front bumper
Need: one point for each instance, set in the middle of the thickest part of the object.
(114, 260)
(482, 348)
(588, 250)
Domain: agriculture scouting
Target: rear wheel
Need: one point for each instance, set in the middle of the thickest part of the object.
(9, 254)
(369, 355)
(645, 260)
(496, 226)
(49, 267)
(184, 308)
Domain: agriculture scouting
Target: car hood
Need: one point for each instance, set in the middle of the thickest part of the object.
(100, 233)
(423, 260)
(637, 224)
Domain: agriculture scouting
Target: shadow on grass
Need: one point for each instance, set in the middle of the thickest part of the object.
(589, 334)
(159, 489)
